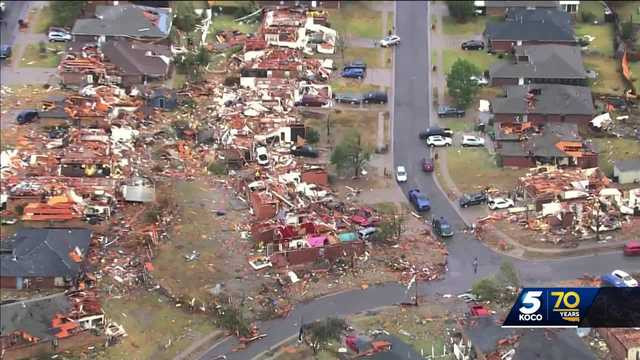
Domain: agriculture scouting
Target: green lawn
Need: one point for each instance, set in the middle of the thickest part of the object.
(225, 22)
(627, 10)
(389, 21)
(32, 57)
(612, 149)
(481, 59)
(635, 74)
(603, 33)
(609, 79)
(474, 26)
(457, 125)
(371, 56)
(351, 85)
(44, 20)
(473, 169)
(356, 19)
(594, 7)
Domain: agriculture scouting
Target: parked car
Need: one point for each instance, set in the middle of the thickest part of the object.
(390, 41)
(26, 116)
(5, 51)
(357, 64)
(480, 80)
(420, 202)
(473, 199)
(310, 100)
(471, 140)
(625, 278)
(632, 248)
(376, 97)
(304, 150)
(367, 233)
(473, 45)
(441, 227)
(365, 217)
(427, 165)
(438, 140)
(353, 73)
(262, 155)
(500, 203)
(444, 132)
(348, 98)
(401, 174)
(59, 34)
(608, 280)
(447, 111)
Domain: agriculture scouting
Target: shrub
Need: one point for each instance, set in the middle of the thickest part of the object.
(588, 16)
(486, 289)
(217, 168)
(312, 136)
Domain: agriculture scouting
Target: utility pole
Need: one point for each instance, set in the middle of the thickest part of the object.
(416, 300)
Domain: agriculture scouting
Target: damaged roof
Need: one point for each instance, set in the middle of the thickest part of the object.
(548, 61)
(553, 99)
(45, 252)
(33, 316)
(553, 141)
(132, 21)
(133, 61)
(533, 344)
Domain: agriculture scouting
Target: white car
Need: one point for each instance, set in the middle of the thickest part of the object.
(480, 81)
(56, 34)
(500, 203)
(401, 174)
(438, 140)
(626, 278)
(471, 140)
(390, 41)
(262, 156)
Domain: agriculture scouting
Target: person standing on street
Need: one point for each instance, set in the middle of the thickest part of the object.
(475, 265)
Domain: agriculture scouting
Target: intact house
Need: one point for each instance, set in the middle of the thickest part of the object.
(488, 340)
(623, 343)
(124, 21)
(499, 8)
(523, 26)
(548, 63)
(114, 62)
(558, 144)
(543, 103)
(43, 258)
(627, 171)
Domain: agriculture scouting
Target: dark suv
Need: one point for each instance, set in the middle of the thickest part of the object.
(433, 131)
(27, 116)
(441, 227)
(473, 199)
(473, 45)
(446, 111)
(377, 97)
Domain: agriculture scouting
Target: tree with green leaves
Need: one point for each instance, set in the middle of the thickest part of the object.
(351, 153)
(392, 225)
(460, 10)
(319, 333)
(486, 289)
(231, 318)
(193, 63)
(66, 12)
(459, 83)
(186, 18)
(508, 274)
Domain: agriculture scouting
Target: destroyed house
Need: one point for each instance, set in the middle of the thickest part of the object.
(538, 64)
(527, 26)
(491, 341)
(54, 323)
(623, 343)
(124, 21)
(557, 144)
(43, 258)
(543, 103)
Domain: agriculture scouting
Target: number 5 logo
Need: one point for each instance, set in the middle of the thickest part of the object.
(531, 302)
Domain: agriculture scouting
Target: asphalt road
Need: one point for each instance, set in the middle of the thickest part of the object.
(411, 114)
(14, 11)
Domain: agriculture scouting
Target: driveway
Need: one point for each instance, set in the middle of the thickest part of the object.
(411, 114)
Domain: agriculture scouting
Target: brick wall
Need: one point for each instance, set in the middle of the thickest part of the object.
(504, 81)
(331, 252)
(517, 161)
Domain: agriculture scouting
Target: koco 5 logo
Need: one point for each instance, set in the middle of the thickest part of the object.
(531, 305)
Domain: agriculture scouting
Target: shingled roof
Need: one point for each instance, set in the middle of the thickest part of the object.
(44, 252)
(553, 99)
(134, 61)
(33, 316)
(131, 21)
(532, 25)
(548, 61)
